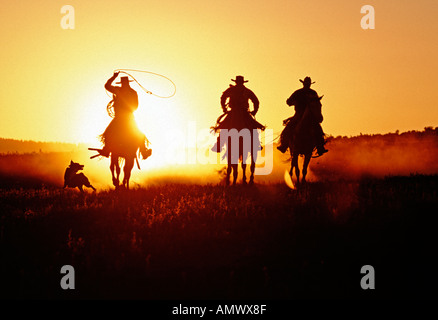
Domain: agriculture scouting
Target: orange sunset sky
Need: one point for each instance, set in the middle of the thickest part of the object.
(373, 81)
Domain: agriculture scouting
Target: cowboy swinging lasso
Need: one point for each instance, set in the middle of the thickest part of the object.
(122, 138)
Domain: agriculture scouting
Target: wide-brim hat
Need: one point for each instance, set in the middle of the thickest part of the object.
(124, 80)
(307, 80)
(239, 79)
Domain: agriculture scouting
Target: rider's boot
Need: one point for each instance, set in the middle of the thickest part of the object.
(145, 152)
(320, 147)
(282, 147)
(321, 150)
(105, 152)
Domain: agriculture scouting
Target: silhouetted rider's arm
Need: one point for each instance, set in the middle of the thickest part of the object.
(225, 95)
(108, 85)
(255, 101)
(291, 100)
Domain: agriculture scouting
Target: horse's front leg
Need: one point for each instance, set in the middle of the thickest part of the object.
(118, 170)
(227, 178)
(253, 154)
(307, 158)
(235, 173)
(129, 164)
(294, 165)
(252, 169)
(115, 168)
(244, 172)
(229, 165)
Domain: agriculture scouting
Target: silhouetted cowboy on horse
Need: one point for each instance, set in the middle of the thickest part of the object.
(301, 99)
(236, 111)
(122, 138)
(123, 127)
(237, 115)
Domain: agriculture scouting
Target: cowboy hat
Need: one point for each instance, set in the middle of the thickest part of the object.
(307, 80)
(124, 80)
(239, 79)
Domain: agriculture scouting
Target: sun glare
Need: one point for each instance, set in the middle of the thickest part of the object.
(159, 119)
(161, 122)
(89, 127)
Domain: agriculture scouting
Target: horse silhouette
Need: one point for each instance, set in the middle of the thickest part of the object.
(127, 153)
(123, 155)
(122, 138)
(238, 128)
(303, 141)
(240, 143)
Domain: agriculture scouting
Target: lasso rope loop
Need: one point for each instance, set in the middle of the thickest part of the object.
(110, 109)
(144, 89)
(110, 106)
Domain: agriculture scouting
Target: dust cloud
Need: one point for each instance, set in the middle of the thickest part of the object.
(351, 158)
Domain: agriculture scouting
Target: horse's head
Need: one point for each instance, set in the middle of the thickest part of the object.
(315, 100)
(315, 106)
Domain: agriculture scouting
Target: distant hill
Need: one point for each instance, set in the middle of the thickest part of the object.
(29, 146)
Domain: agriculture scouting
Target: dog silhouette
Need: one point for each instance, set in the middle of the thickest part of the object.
(72, 179)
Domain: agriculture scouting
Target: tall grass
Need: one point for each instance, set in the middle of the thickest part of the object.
(191, 241)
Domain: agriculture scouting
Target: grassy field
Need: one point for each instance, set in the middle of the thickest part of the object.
(186, 241)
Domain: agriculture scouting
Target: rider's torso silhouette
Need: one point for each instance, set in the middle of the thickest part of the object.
(300, 99)
(125, 99)
(239, 97)
(236, 98)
